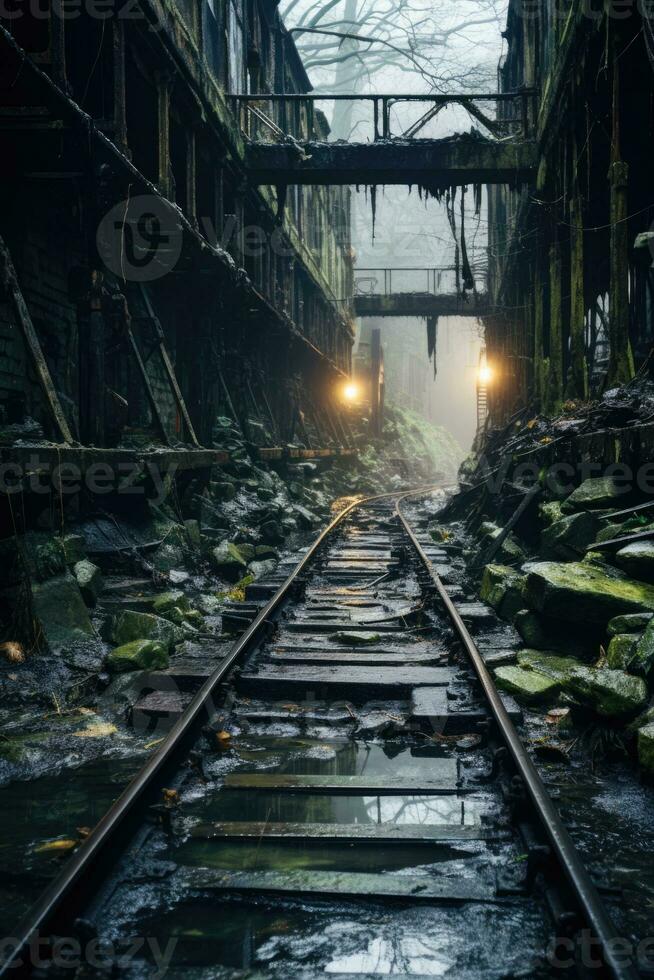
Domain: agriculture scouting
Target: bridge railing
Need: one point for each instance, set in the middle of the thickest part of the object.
(436, 280)
(270, 117)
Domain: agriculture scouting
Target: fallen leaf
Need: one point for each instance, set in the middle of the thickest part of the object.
(223, 739)
(61, 846)
(98, 729)
(13, 653)
(83, 832)
(170, 797)
(556, 715)
(152, 744)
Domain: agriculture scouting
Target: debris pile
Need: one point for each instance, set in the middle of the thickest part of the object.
(569, 563)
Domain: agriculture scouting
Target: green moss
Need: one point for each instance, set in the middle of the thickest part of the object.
(527, 685)
(237, 594)
(584, 592)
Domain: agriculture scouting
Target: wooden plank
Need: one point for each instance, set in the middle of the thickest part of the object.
(410, 888)
(617, 543)
(8, 273)
(168, 366)
(497, 542)
(432, 709)
(361, 657)
(362, 833)
(333, 626)
(444, 782)
(475, 611)
(353, 681)
(154, 405)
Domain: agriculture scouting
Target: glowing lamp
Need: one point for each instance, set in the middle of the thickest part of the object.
(485, 374)
(350, 391)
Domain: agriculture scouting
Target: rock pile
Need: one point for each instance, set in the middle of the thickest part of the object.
(582, 604)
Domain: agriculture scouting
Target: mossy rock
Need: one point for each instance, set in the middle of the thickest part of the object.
(266, 551)
(609, 693)
(172, 551)
(620, 652)
(526, 685)
(501, 588)
(229, 561)
(550, 512)
(643, 658)
(598, 493)
(632, 623)
(223, 491)
(262, 569)
(571, 639)
(247, 551)
(130, 625)
(608, 532)
(568, 538)
(549, 663)
(89, 579)
(60, 612)
(73, 548)
(637, 560)
(646, 748)
(170, 600)
(138, 655)
(583, 592)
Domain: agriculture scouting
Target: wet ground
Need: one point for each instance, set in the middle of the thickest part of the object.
(187, 930)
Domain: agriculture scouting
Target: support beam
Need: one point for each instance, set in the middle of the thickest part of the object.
(9, 282)
(163, 133)
(555, 386)
(435, 164)
(120, 110)
(578, 381)
(621, 363)
(420, 304)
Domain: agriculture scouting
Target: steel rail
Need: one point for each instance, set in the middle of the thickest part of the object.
(562, 844)
(62, 900)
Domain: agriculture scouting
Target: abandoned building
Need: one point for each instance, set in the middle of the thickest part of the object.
(148, 287)
(570, 253)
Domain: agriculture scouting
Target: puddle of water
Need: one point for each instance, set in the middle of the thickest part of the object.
(315, 856)
(43, 810)
(296, 941)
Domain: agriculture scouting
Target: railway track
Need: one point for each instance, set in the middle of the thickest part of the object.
(347, 793)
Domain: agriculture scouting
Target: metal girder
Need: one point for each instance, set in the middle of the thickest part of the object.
(436, 164)
(419, 304)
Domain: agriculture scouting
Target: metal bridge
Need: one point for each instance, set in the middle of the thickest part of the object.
(288, 145)
(383, 292)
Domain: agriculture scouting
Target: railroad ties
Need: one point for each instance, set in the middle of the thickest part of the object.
(346, 721)
(346, 760)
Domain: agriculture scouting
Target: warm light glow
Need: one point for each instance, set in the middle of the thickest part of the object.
(485, 374)
(350, 391)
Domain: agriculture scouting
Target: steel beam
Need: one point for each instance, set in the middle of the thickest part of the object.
(419, 304)
(435, 164)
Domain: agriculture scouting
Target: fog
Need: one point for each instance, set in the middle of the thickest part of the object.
(414, 47)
